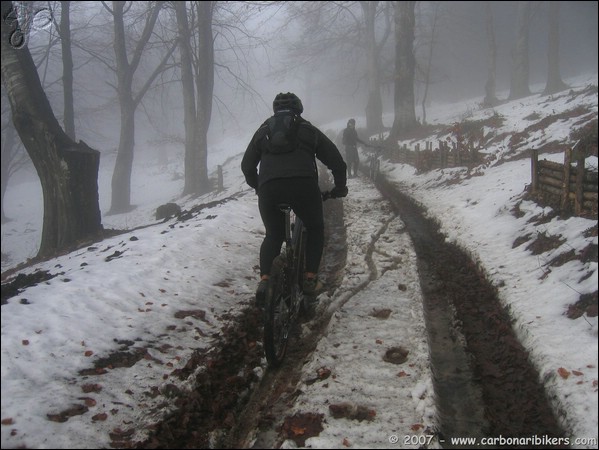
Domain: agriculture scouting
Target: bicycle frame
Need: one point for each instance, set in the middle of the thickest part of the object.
(284, 299)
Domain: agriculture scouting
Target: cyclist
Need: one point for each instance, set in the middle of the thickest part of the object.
(350, 140)
(286, 147)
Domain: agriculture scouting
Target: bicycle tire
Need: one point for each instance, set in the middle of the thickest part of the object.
(306, 307)
(277, 313)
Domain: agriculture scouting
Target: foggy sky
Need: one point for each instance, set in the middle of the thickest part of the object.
(332, 88)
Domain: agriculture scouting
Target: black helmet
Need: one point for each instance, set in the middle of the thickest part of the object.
(287, 101)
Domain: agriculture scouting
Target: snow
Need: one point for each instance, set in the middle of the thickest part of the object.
(128, 288)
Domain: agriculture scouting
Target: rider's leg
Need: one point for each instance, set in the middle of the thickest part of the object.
(309, 208)
(274, 223)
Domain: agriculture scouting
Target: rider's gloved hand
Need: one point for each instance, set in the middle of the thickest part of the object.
(338, 191)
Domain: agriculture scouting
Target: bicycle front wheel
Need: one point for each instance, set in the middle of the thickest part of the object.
(277, 313)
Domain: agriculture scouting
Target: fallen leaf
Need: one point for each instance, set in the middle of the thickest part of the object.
(91, 388)
(89, 402)
(323, 373)
(25, 342)
(577, 373)
(297, 431)
(88, 353)
(563, 373)
(346, 442)
(416, 426)
(8, 421)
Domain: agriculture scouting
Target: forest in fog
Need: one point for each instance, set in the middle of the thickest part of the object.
(141, 81)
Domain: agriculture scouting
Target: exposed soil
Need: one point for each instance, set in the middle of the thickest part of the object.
(501, 395)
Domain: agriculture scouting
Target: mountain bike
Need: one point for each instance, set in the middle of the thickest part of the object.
(285, 299)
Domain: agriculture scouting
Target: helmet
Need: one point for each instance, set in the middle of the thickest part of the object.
(351, 122)
(287, 101)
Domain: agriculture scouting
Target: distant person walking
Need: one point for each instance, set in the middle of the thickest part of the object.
(351, 140)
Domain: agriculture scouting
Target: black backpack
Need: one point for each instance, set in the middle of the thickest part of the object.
(281, 132)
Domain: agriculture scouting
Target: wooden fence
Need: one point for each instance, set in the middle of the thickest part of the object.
(573, 186)
(456, 155)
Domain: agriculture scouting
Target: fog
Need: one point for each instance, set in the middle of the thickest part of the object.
(253, 44)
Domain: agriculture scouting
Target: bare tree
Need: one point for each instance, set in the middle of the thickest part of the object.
(336, 30)
(554, 79)
(520, 58)
(405, 67)
(204, 76)
(374, 105)
(490, 97)
(189, 106)
(68, 171)
(128, 99)
(427, 66)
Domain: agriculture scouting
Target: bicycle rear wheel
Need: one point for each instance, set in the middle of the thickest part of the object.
(277, 313)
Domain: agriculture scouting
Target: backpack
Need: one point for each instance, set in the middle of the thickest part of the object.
(281, 132)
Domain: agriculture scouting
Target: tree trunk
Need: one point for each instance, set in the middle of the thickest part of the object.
(429, 62)
(374, 107)
(121, 177)
(520, 60)
(405, 67)
(554, 79)
(68, 171)
(205, 92)
(67, 69)
(189, 107)
(490, 96)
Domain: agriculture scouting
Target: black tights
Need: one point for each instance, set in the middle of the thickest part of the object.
(353, 160)
(303, 194)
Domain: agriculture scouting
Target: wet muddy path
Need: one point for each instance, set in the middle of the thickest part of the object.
(484, 385)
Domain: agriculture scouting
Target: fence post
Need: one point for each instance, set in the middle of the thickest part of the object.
(534, 171)
(220, 182)
(578, 198)
(566, 181)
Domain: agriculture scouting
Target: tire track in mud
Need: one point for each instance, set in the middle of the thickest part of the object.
(484, 383)
(260, 424)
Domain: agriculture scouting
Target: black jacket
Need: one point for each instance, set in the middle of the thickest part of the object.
(311, 143)
(350, 137)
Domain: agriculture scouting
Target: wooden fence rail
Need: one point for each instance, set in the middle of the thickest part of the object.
(574, 186)
(443, 157)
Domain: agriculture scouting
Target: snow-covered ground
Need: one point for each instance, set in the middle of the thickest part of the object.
(129, 287)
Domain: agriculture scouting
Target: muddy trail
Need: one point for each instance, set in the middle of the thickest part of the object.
(484, 384)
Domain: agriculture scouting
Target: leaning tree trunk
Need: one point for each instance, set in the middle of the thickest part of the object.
(68, 171)
(405, 67)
